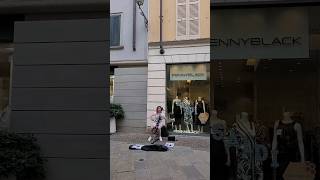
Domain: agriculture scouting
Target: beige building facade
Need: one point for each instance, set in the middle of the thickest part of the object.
(182, 73)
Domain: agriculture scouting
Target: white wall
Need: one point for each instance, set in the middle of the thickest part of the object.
(156, 91)
(127, 55)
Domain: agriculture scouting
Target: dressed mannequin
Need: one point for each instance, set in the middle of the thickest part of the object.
(244, 139)
(219, 154)
(177, 112)
(199, 107)
(5, 118)
(187, 113)
(287, 142)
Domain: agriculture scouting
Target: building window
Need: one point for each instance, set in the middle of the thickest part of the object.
(188, 23)
(115, 30)
(111, 88)
(188, 96)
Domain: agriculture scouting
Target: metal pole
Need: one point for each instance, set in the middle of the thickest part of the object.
(161, 22)
(134, 25)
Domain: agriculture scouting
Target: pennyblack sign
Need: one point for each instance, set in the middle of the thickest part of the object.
(264, 33)
(188, 72)
(286, 41)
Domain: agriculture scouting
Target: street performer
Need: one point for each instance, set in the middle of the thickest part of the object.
(158, 121)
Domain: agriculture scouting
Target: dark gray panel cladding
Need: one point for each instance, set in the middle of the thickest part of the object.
(61, 31)
(68, 52)
(77, 169)
(60, 93)
(60, 76)
(73, 146)
(59, 99)
(60, 122)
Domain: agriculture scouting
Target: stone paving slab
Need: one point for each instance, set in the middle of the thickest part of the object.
(195, 142)
(181, 163)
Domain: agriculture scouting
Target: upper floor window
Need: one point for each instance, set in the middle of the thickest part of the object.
(115, 30)
(188, 23)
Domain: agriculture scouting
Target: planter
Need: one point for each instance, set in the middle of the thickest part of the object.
(113, 128)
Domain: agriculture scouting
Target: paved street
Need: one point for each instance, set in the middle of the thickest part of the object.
(189, 160)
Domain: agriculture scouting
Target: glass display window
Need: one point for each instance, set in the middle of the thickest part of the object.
(188, 97)
(4, 87)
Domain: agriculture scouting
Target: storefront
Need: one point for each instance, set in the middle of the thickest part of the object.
(188, 95)
(5, 73)
(179, 81)
(265, 88)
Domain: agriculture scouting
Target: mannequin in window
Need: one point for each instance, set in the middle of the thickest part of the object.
(287, 142)
(177, 112)
(187, 114)
(219, 154)
(5, 117)
(199, 107)
(244, 135)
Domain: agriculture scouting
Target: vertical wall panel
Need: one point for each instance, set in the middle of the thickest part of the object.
(131, 92)
(71, 84)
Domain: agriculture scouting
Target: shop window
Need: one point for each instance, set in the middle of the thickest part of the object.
(267, 97)
(4, 87)
(111, 88)
(188, 20)
(252, 95)
(188, 97)
(115, 30)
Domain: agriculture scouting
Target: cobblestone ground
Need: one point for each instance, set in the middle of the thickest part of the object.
(189, 160)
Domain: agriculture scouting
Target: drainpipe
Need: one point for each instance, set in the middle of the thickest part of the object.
(161, 22)
(134, 25)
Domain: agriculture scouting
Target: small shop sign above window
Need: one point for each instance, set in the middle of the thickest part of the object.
(188, 72)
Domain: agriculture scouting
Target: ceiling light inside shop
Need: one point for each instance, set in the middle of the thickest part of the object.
(189, 81)
(252, 62)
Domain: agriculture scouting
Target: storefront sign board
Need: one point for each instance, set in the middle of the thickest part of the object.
(261, 33)
(188, 72)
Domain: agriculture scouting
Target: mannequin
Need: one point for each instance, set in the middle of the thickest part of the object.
(199, 107)
(287, 142)
(244, 137)
(5, 117)
(177, 112)
(187, 114)
(219, 154)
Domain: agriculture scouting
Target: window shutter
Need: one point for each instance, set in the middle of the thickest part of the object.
(188, 24)
(181, 18)
(194, 24)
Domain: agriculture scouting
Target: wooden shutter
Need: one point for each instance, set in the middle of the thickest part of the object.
(188, 25)
(181, 19)
(193, 19)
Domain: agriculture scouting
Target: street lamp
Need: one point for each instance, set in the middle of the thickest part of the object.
(140, 3)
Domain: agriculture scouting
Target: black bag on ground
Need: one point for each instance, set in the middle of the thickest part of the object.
(154, 147)
(171, 138)
(164, 131)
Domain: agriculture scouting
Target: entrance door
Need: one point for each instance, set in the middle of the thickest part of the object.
(60, 94)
